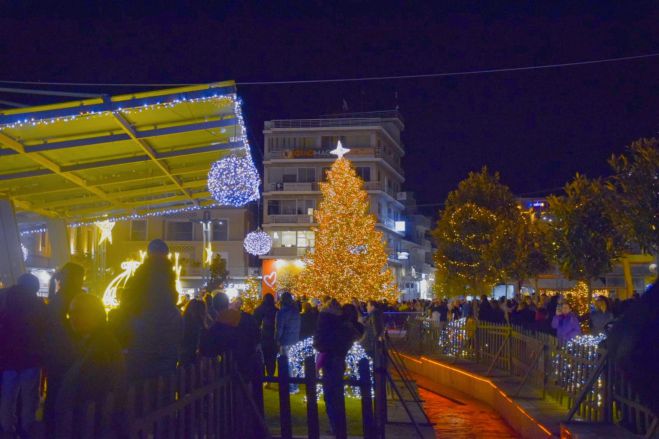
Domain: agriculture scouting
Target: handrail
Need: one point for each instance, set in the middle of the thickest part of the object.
(572, 374)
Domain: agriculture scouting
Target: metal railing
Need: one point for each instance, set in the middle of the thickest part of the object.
(313, 153)
(578, 375)
(208, 399)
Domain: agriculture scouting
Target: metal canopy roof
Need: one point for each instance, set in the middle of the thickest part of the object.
(129, 154)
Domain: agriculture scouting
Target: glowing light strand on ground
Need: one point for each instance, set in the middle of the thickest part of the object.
(304, 348)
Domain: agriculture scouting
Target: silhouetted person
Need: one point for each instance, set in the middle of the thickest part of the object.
(195, 318)
(333, 339)
(152, 323)
(373, 328)
(287, 330)
(98, 370)
(308, 320)
(233, 331)
(265, 316)
(22, 327)
(59, 346)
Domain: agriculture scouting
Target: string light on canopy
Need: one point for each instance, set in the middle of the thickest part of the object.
(257, 243)
(234, 180)
(106, 231)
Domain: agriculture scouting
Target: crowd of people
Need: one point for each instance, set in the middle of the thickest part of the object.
(58, 355)
(553, 314)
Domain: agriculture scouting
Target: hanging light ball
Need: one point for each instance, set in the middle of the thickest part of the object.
(234, 180)
(257, 243)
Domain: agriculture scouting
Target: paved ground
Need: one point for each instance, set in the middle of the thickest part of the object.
(464, 419)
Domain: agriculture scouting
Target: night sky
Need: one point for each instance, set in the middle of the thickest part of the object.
(536, 127)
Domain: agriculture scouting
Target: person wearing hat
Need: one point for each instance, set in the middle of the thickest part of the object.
(151, 326)
(22, 317)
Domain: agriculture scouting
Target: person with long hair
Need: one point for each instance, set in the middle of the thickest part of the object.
(195, 318)
(265, 315)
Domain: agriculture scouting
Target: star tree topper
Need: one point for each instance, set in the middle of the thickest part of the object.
(106, 231)
(339, 151)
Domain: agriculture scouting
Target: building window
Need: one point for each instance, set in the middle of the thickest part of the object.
(305, 207)
(138, 230)
(306, 175)
(288, 239)
(220, 230)
(179, 231)
(364, 173)
(288, 207)
(274, 208)
(306, 238)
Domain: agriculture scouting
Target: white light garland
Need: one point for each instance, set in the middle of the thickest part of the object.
(85, 115)
(304, 348)
(257, 243)
(234, 180)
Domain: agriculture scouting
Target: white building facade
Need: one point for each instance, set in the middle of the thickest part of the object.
(296, 158)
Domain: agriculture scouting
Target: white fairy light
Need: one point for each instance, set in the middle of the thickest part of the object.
(257, 243)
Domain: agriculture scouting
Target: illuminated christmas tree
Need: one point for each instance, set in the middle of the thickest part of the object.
(252, 295)
(350, 257)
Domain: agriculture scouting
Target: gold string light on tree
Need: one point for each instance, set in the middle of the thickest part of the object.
(350, 256)
(251, 296)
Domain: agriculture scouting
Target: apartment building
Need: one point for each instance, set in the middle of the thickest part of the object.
(297, 157)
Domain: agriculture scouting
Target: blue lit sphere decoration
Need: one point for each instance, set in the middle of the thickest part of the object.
(257, 243)
(234, 180)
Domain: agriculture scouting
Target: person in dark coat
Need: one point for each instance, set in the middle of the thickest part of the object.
(333, 339)
(632, 344)
(522, 316)
(22, 327)
(59, 347)
(97, 371)
(287, 325)
(152, 324)
(234, 332)
(485, 313)
(308, 320)
(265, 316)
(601, 316)
(373, 328)
(194, 324)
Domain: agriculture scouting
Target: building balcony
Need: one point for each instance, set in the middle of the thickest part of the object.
(392, 225)
(292, 187)
(288, 252)
(315, 187)
(288, 219)
(355, 154)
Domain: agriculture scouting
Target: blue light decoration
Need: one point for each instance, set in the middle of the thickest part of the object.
(257, 243)
(234, 180)
(304, 348)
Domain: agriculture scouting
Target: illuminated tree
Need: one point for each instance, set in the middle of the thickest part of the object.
(350, 257)
(218, 273)
(637, 204)
(478, 213)
(252, 295)
(521, 248)
(585, 239)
